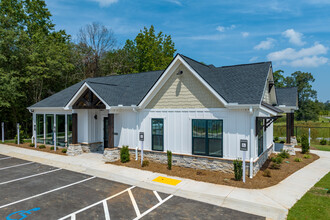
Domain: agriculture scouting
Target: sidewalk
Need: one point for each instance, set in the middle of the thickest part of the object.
(272, 202)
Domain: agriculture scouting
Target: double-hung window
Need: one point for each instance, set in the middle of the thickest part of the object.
(157, 133)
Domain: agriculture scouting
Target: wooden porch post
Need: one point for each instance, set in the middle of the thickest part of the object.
(74, 128)
(288, 127)
(292, 123)
(111, 131)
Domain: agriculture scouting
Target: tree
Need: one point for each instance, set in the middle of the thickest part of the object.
(149, 51)
(279, 79)
(94, 41)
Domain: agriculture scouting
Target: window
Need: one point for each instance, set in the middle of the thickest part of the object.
(60, 130)
(40, 128)
(49, 129)
(69, 129)
(207, 137)
(157, 127)
(260, 124)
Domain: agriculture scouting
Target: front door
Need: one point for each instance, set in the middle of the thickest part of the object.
(106, 132)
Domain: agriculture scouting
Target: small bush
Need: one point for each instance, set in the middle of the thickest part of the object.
(42, 146)
(282, 142)
(276, 139)
(275, 166)
(328, 191)
(267, 173)
(31, 145)
(169, 160)
(298, 140)
(304, 144)
(284, 154)
(51, 148)
(124, 154)
(278, 160)
(64, 150)
(307, 156)
(145, 163)
(297, 159)
(323, 142)
(238, 169)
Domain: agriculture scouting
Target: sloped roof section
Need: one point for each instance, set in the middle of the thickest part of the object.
(273, 108)
(242, 84)
(287, 96)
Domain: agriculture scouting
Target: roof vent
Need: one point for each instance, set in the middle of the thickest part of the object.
(179, 73)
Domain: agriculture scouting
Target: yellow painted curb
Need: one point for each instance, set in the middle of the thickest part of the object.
(166, 180)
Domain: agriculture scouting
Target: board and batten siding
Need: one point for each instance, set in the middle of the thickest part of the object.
(183, 91)
(178, 128)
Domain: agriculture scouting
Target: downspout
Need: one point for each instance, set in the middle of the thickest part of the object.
(251, 135)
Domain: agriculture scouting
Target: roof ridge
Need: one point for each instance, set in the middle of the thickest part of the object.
(195, 60)
(246, 64)
(122, 74)
(292, 87)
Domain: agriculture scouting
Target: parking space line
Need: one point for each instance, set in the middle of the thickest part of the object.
(53, 190)
(26, 177)
(18, 165)
(106, 210)
(4, 158)
(136, 208)
(94, 204)
(157, 195)
(152, 208)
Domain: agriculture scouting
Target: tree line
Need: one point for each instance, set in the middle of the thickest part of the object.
(37, 61)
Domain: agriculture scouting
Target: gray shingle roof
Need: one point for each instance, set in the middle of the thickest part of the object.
(287, 96)
(242, 84)
(273, 108)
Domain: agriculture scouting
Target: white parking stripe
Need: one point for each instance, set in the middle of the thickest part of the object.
(157, 195)
(106, 210)
(18, 165)
(53, 190)
(136, 208)
(26, 177)
(154, 207)
(4, 158)
(99, 202)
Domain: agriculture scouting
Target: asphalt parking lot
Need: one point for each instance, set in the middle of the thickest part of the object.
(31, 190)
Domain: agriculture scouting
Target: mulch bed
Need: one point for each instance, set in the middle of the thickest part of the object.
(288, 167)
(47, 149)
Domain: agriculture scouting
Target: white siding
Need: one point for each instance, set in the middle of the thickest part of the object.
(178, 128)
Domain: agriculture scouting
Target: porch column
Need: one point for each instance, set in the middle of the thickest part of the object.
(111, 131)
(292, 123)
(74, 128)
(289, 129)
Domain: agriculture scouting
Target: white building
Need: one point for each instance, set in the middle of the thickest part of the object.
(189, 108)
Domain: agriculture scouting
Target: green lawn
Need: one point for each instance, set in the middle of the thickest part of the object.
(315, 204)
(321, 147)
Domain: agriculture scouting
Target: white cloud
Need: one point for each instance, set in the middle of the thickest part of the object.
(177, 2)
(307, 57)
(265, 45)
(294, 37)
(245, 34)
(253, 59)
(105, 3)
(213, 37)
(223, 29)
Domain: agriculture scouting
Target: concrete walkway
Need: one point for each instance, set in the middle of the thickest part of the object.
(272, 202)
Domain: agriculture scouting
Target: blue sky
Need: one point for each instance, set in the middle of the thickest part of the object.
(294, 35)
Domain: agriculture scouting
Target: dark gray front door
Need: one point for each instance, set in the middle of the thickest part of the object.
(106, 132)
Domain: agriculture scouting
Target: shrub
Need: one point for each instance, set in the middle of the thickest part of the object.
(278, 160)
(42, 146)
(297, 159)
(276, 139)
(267, 173)
(21, 136)
(323, 142)
(282, 142)
(64, 150)
(275, 166)
(124, 154)
(169, 160)
(307, 156)
(145, 163)
(328, 191)
(298, 140)
(238, 169)
(304, 144)
(284, 154)
(51, 148)
(31, 145)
